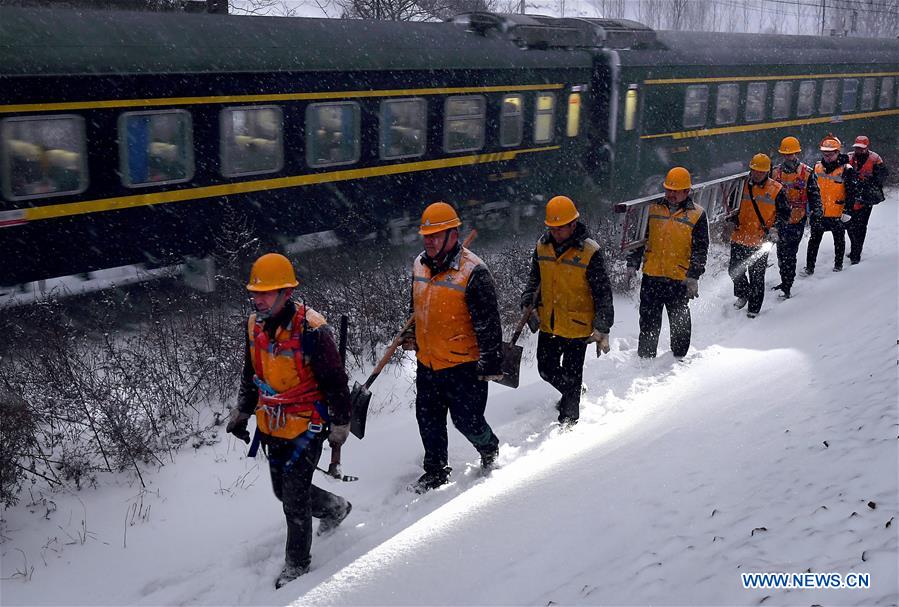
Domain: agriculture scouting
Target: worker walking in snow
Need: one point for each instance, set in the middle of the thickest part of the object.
(763, 212)
(801, 189)
(837, 182)
(674, 257)
(872, 172)
(569, 284)
(458, 342)
(294, 380)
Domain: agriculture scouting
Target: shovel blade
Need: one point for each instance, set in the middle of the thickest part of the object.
(511, 365)
(360, 397)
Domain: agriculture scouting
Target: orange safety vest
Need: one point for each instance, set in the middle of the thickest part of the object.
(566, 302)
(282, 366)
(796, 189)
(833, 190)
(443, 328)
(865, 171)
(669, 242)
(750, 232)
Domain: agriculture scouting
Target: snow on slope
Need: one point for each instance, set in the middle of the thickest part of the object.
(679, 477)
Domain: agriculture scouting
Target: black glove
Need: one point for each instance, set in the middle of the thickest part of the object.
(237, 425)
(533, 321)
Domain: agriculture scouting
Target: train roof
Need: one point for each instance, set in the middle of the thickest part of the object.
(53, 41)
(718, 48)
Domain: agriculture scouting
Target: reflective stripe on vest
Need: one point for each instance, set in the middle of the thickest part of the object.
(288, 389)
(443, 327)
(566, 301)
(750, 233)
(833, 190)
(796, 189)
(669, 243)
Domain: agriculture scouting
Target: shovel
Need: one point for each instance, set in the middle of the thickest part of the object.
(512, 353)
(361, 396)
(334, 466)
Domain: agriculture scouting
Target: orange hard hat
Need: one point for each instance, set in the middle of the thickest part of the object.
(560, 211)
(438, 217)
(760, 162)
(271, 272)
(678, 178)
(861, 142)
(831, 144)
(789, 145)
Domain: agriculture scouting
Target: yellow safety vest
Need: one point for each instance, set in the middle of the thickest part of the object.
(566, 302)
(669, 243)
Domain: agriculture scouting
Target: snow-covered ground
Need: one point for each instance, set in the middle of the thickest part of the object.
(771, 448)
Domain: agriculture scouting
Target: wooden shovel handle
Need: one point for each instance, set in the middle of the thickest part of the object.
(524, 317)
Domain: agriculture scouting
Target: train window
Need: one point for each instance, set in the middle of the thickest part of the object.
(332, 133)
(850, 95)
(756, 95)
(463, 129)
(869, 90)
(696, 105)
(403, 128)
(155, 148)
(828, 103)
(630, 108)
(806, 103)
(251, 140)
(545, 119)
(728, 101)
(43, 156)
(783, 93)
(511, 121)
(574, 114)
(886, 93)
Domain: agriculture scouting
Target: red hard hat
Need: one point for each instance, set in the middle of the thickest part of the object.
(861, 142)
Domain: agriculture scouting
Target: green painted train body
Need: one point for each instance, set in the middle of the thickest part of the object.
(135, 137)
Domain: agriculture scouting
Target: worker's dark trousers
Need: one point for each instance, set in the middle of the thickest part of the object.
(753, 288)
(300, 498)
(459, 391)
(787, 248)
(560, 361)
(857, 228)
(818, 227)
(655, 293)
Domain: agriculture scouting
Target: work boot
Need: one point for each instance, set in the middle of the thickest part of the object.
(289, 574)
(488, 459)
(751, 314)
(785, 294)
(740, 303)
(777, 287)
(431, 480)
(838, 268)
(330, 523)
(807, 271)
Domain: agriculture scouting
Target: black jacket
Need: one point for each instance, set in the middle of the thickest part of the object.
(480, 298)
(324, 357)
(604, 311)
(699, 246)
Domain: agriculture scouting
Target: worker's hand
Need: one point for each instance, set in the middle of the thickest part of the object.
(692, 286)
(602, 341)
(845, 217)
(237, 425)
(338, 435)
(773, 235)
(409, 342)
(534, 321)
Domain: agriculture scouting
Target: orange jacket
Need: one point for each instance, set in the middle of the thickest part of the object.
(768, 197)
